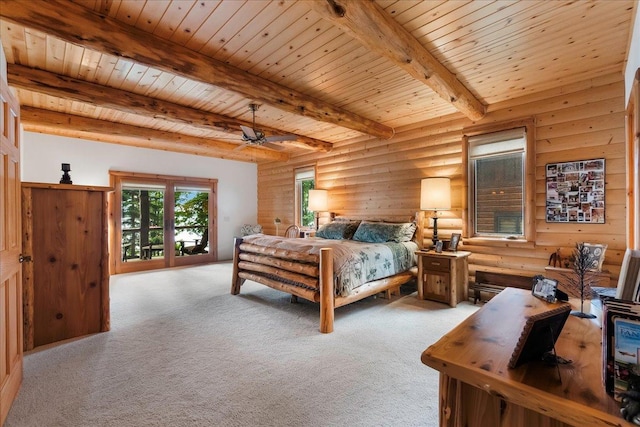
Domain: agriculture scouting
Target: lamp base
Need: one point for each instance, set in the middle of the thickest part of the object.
(435, 230)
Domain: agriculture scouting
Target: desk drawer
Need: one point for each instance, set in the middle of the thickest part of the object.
(435, 264)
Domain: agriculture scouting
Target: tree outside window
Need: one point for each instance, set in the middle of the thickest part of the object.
(304, 181)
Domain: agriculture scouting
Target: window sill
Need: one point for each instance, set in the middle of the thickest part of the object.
(501, 242)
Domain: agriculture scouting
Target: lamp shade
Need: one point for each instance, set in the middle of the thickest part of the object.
(318, 200)
(435, 194)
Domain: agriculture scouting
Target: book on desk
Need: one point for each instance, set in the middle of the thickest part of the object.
(619, 356)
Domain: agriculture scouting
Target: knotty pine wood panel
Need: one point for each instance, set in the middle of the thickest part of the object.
(272, 27)
(370, 177)
(191, 23)
(67, 263)
(473, 39)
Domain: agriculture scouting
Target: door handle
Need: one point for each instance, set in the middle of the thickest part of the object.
(24, 258)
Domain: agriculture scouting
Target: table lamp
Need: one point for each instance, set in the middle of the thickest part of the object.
(435, 195)
(318, 202)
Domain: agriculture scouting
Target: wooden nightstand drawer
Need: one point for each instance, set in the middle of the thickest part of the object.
(436, 264)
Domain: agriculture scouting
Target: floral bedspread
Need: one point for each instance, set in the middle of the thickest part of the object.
(354, 263)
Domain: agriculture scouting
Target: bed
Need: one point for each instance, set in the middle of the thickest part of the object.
(346, 261)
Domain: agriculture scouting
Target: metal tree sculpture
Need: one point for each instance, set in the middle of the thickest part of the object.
(583, 269)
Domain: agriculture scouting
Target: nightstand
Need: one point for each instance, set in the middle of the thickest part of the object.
(443, 276)
(307, 233)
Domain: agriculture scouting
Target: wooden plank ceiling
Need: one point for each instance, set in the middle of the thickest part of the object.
(179, 75)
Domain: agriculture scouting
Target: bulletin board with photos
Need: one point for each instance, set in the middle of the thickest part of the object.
(575, 191)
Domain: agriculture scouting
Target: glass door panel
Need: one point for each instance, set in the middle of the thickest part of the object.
(142, 222)
(191, 221)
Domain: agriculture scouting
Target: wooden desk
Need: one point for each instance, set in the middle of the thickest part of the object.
(477, 389)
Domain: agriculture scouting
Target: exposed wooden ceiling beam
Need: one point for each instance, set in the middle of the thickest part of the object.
(81, 26)
(102, 96)
(379, 32)
(52, 122)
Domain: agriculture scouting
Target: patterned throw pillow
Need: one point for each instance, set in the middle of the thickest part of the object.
(338, 230)
(380, 232)
(248, 229)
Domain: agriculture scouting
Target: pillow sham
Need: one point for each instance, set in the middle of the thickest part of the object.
(338, 230)
(380, 232)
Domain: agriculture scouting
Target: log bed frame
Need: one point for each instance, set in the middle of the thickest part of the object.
(304, 275)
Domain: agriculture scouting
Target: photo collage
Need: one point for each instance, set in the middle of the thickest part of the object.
(575, 191)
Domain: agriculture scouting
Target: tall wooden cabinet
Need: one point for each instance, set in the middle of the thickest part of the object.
(66, 276)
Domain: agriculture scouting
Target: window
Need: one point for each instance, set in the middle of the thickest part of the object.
(162, 221)
(498, 192)
(305, 181)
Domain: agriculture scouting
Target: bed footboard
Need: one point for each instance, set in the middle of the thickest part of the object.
(304, 275)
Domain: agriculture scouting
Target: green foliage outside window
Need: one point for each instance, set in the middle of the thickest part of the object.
(192, 209)
(307, 217)
(143, 213)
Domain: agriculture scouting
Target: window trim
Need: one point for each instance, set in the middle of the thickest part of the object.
(118, 179)
(529, 189)
(298, 190)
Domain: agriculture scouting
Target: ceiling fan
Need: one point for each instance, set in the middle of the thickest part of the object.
(253, 136)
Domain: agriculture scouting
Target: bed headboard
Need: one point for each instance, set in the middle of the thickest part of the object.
(417, 218)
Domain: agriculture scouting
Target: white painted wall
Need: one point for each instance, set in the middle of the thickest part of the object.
(91, 161)
(633, 58)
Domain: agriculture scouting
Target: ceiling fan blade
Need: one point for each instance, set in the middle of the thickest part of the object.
(249, 133)
(273, 146)
(277, 138)
(240, 147)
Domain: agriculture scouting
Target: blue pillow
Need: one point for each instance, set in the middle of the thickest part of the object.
(338, 230)
(380, 232)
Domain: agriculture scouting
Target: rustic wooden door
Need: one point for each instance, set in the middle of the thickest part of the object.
(67, 228)
(10, 247)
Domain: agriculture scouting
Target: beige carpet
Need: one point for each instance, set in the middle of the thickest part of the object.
(184, 352)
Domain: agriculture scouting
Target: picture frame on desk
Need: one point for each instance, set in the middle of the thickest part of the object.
(544, 288)
(539, 335)
(438, 247)
(453, 244)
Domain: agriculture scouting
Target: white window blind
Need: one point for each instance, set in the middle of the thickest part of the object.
(304, 174)
(503, 142)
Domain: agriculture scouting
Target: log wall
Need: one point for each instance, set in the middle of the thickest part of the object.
(372, 177)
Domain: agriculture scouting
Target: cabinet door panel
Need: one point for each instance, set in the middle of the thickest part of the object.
(436, 286)
(67, 256)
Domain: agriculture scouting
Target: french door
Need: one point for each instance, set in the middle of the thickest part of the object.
(10, 249)
(162, 221)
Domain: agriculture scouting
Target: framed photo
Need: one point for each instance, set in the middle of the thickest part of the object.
(539, 335)
(544, 288)
(575, 191)
(597, 253)
(439, 246)
(455, 239)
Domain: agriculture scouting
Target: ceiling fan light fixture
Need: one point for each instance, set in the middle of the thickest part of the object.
(253, 136)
